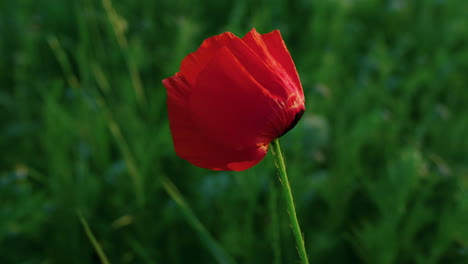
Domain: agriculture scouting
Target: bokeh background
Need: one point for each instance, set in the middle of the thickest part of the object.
(378, 164)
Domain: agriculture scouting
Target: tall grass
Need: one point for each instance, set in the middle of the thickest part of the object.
(378, 164)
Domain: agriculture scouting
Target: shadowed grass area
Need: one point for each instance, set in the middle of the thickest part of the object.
(378, 165)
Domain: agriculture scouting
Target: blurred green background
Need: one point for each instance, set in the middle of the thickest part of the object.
(378, 164)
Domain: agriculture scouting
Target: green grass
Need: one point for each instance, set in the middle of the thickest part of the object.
(378, 165)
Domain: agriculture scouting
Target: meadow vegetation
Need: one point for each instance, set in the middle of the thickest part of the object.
(378, 164)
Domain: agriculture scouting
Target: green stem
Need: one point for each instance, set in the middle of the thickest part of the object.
(279, 160)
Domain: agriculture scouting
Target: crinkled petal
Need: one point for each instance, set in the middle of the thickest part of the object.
(196, 61)
(200, 151)
(255, 42)
(265, 72)
(195, 147)
(279, 51)
(230, 106)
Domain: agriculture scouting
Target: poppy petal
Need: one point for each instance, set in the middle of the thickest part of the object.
(255, 41)
(200, 151)
(274, 78)
(191, 145)
(279, 51)
(178, 91)
(196, 61)
(252, 54)
(230, 106)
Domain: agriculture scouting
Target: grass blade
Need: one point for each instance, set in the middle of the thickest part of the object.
(93, 240)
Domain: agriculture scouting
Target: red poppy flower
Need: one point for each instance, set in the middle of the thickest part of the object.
(231, 98)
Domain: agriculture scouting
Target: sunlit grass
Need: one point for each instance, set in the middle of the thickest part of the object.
(378, 164)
